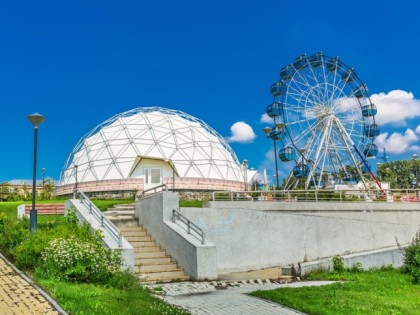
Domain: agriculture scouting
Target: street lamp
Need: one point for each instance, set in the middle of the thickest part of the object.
(43, 170)
(275, 134)
(36, 120)
(414, 157)
(245, 166)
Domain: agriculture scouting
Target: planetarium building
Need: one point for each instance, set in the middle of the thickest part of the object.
(148, 147)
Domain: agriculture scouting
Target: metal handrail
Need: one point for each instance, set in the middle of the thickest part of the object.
(163, 187)
(176, 215)
(100, 217)
(344, 195)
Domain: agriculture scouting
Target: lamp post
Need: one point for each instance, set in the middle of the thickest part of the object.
(275, 134)
(414, 157)
(43, 170)
(36, 120)
(245, 166)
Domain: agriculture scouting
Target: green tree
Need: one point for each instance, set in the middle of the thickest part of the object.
(4, 191)
(48, 188)
(400, 174)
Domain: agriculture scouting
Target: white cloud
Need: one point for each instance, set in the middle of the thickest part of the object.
(397, 142)
(241, 132)
(266, 119)
(396, 107)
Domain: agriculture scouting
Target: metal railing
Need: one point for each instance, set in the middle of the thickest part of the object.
(103, 221)
(153, 191)
(345, 195)
(191, 227)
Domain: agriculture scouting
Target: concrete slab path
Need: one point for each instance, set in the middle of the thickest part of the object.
(18, 295)
(217, 298)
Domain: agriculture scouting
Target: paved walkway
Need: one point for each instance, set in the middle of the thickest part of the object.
(19, 296)
(219, 298)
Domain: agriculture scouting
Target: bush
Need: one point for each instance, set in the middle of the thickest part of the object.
(12, 233)
(338, 264)
(72, 259)
(412, 258)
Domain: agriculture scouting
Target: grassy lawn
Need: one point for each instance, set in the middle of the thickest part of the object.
(371, 292)
(192, 203)
(93, 299)
(114, 296)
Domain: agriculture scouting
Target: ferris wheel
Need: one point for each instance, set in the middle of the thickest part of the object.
(325, 121)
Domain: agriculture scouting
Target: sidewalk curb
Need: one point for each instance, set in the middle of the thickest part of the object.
(41, 291)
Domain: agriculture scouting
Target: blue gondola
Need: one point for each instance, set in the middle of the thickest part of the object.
(287, 154)
(316, 60)
(348, 75)
(276, 134)
(273, 110)
(371, 150)
(372, 131)
(287, 72)
(361, 91)
(332, 64)
(369, 110)
(276, 89)
(300, 62)
(301, 170)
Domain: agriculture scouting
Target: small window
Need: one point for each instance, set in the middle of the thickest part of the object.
(155, 175)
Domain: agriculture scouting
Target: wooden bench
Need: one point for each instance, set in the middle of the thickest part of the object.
(43, 209)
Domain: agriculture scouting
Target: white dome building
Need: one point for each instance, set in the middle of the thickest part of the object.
(147, 147)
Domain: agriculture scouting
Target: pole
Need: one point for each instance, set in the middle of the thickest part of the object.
(277, 169)
(33, 213)
(43, 184)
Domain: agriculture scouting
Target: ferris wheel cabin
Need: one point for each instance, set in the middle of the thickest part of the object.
(301, 170)
(371, 150)
(372, 131)
(369, 110)
(287, 154)
(276, 89)
(316, 60)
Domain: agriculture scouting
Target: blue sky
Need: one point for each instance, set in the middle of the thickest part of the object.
(80, 62)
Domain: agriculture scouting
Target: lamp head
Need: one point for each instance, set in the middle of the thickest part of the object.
(36, 119)
(267, 130)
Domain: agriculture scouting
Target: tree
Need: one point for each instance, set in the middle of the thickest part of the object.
(4, 191)
(400, 174)
(48, 188)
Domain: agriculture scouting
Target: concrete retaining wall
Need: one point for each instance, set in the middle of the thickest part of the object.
(82, 213)
(260, 235)
(155, 214)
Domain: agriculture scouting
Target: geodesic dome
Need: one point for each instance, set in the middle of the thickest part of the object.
(134, 143)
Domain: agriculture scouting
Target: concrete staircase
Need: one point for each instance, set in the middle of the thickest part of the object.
(152, 263)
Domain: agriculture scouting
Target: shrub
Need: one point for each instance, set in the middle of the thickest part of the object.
(12, 233)
(412, 258)
(72, 259)
(338, 264)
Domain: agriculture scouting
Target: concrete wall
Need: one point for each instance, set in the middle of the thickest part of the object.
(155, 214)
(82, 213)
(267, 234)
(370, 259)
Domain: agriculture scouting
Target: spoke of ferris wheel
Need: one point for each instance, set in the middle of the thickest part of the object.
(297, 94)
(346, 137)
(316, 99)
(315, 135)
(317, 83)
(303, 77)
(297, 90)
(325, 136)
(301, 134)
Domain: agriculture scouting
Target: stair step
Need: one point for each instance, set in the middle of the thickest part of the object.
(152, 261)
(141, 244)
(149, 254)
(132, 239)
(147, 249)
(118, 212)
(133, 233)
(129, 229)
(156, 268)
(172, 275)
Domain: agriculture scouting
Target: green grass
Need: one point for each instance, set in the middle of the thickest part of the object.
(104, 204)
(371, 292)
(192, 203)
(78, 299)
(10, 207)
